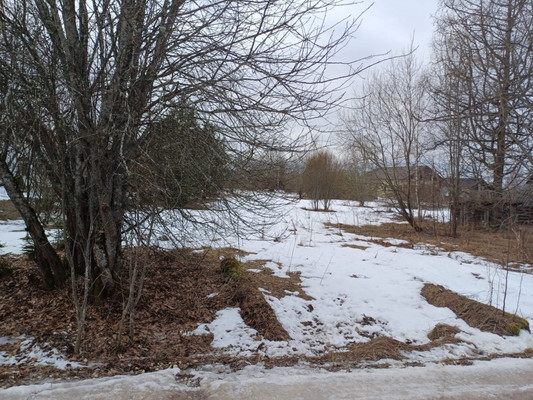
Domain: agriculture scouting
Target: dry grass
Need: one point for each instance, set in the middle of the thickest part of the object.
(274, 285)
(257, 313)
(355, 246)
(379, 348)
(478, 315)
(443, 332)
(265, 278)
(512, 247)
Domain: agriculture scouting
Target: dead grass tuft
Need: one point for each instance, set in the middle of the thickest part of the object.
(257, 313)
(478, 315)
(382, 347)
(232, 268)
(355, 246)
(527, 353)
(443, 331)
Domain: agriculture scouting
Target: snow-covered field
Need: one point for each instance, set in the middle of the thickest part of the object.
(352, 282)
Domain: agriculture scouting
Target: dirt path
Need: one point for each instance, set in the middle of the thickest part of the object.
(508, 379)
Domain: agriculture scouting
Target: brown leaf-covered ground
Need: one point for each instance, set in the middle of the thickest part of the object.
(178, 295)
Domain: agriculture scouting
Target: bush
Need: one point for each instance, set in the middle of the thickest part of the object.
(185, 160)
(233, 268)
(320, 179)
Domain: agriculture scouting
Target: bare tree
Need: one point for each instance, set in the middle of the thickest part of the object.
(83, 81)
(89, 78)
(449, 99)
(357, 182)
(492, 46)
(265, 170)
(320, 179)
(386, 128)
(12, 178)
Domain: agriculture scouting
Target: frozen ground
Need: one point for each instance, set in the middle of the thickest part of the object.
(509, 379)
(350, 280)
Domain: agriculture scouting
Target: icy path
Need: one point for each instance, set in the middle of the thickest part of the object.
(498, 379)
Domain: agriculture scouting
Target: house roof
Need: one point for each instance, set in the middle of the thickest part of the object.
(402, 173)
(524, 195)
(469, 184)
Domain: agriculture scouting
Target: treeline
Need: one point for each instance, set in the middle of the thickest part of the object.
(467, 113)
(320, 176)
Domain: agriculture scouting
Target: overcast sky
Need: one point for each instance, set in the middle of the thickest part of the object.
(389, 25)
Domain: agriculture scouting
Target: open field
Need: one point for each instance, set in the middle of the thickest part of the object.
(336, 291)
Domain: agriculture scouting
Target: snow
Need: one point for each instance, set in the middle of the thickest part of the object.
(33, 352)
(352, 281)
(12, 234)
(497, 379)
(3, 194)
(228, 326)
(384, 283)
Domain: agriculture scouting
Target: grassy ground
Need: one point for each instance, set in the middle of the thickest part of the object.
(512, 248)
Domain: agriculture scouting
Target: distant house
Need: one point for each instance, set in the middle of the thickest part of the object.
(469, 207)
(468, 187)
(424, 182)
(522, 204)
(479, 205)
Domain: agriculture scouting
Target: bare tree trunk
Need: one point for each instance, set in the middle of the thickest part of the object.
(487, 47)
(46, 257)
(138, 262)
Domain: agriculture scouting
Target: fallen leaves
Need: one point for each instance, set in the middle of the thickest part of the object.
(177, 297)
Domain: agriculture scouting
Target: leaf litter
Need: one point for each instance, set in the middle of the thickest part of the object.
(185, 290)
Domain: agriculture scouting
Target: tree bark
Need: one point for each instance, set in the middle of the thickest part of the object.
(46, 257)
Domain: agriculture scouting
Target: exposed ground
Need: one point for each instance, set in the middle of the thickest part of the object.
(176, 298)
(182, 289)
(511, 247)
(185, 288)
